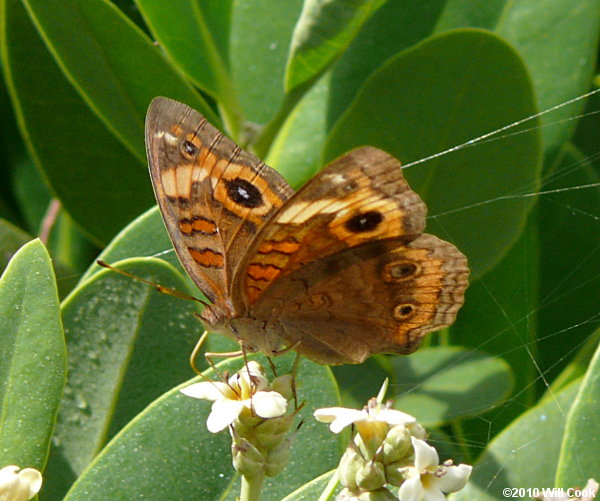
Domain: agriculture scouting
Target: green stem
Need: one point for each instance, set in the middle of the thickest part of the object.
(252, 487)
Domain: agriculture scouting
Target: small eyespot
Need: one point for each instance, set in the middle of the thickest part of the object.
(244, 193)
(398, 271)
(364, 222)
(404, 311)
(188, 148)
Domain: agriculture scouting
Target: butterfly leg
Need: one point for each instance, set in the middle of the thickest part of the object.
(294, 373)
(209, 356)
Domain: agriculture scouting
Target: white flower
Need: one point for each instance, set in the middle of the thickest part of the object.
(340, 417)
(429, 480)
(18, 485)
(248, 389)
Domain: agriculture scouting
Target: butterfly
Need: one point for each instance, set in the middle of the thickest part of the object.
(338, 271)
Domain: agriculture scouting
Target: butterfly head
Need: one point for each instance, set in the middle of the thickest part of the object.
(218, 314)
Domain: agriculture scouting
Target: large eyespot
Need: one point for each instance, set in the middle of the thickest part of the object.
(189, 149)
(366, 221)
(404, 311)
(244, 193)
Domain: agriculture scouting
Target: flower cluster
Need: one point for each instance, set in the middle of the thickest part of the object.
(255, 412)
(19, 485)
(389, 449)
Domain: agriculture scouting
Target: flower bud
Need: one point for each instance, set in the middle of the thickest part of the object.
(271, 432)
(394, 472)
(247, 459)
(396, 445)
(278, 458)
(283, 385)
(417, 431)
(350, 464)
(371, 476)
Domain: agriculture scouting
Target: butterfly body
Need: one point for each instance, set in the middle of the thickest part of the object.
(339, 270)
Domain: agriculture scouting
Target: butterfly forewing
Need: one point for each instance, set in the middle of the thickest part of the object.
(214, 196)
(360, 197)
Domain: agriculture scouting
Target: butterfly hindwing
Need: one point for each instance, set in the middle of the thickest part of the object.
(380, 297)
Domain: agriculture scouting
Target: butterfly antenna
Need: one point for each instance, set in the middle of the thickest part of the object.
(158, 287)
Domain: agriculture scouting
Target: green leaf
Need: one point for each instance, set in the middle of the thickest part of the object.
(112, 64)
(499, 318)
(296, 150)
(524, 455)
(453, 108)
(558, 41)
(127, 345)
(96, 179)
(361, 382)
(577, 367)
(395, 27)
(32, 357)
(145, 236)
(324, 30)
(569, 259)
(310, 490)
(182, 460)
(11, 240)
(196, 37)
(580, 452)
(437, 385)
(261, 32)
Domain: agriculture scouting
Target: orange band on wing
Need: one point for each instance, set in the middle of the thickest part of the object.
(197, 224)
(265, 272)
(287, 246)
(207, 257)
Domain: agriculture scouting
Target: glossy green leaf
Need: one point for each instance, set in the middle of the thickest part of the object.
(311, 490)
(361, 382)
(468, 191)
(166, 452)
(112, 64)
(324, 30)
(296, 150)
(437, 385)
(261, 31)
(524, 455)
(32, 357)
(577, 367)
(569, 291)
(11, 240)
(31, 191)
(195, 35)
(146, 236)
(498, 317)
(96, 179)
(580, 453)
(558, 42)
(395, 27)
(127, 345)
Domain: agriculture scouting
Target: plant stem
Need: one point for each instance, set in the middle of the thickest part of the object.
(252, 487)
